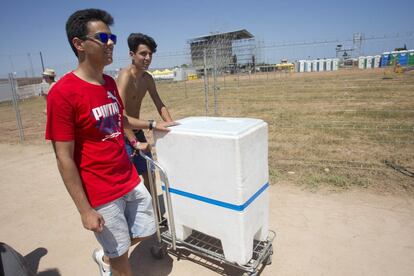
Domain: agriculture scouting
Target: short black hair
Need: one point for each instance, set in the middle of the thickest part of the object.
(135, 39)
(77, 24)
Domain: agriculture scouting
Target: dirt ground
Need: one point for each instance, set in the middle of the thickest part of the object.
(347, 233)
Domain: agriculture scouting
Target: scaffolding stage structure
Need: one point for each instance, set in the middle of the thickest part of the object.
(223, 52)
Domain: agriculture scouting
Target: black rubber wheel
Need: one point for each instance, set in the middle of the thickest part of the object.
(250, 274)
(268, 260)
(159, 251)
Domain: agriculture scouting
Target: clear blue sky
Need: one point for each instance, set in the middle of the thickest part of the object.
(33, 26)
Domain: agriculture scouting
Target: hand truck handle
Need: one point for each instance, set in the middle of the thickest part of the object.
(163, 175)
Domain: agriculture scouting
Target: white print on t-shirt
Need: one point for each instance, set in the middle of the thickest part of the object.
(113, 135)
(105, 111)
(111, 96)
(108, 119)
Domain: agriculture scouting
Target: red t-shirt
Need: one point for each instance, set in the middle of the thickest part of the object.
(91, 116)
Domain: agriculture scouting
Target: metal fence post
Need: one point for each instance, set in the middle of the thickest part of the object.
(185, 89)
(238, 79)
(15, 101)
(205, 81)
(215, 81)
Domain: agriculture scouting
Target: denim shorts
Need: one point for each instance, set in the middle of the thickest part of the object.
(139, 162)
(130, 216)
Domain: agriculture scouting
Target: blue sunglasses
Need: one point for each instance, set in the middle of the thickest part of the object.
(104, 37)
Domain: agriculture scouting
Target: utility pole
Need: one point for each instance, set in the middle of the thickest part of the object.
(41, 60)
(358, 40)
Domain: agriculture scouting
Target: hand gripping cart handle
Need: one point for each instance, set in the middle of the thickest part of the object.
(198, 243)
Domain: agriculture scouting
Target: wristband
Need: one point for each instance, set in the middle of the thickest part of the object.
(152, 124)
(133, 142)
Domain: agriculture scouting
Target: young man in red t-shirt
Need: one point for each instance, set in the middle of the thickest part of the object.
(85, 124)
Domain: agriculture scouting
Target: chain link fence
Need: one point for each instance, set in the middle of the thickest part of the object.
(339, 127)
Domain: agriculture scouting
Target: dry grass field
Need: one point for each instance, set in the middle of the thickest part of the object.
(328, 131)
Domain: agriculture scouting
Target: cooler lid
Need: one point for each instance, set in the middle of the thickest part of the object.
(216, 125)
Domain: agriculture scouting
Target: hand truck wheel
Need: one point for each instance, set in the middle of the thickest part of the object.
(250, 274)
(268, 260)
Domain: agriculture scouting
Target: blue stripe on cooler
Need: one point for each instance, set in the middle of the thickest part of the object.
(218, 202)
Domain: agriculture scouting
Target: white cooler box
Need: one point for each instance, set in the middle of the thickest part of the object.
(218, 174)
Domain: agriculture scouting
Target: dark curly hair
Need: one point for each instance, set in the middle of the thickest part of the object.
(77, 24)
(135, 39)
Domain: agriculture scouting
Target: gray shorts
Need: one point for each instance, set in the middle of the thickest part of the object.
(129, 216)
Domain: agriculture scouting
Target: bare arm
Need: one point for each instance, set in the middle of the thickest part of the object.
(161, 108)
(129, 121)
(122, 84)
(134, 123)
(91, 219)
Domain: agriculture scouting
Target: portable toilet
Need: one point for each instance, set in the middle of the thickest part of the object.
(377, 60)
(393, 58)
(308, 66)
(180, 74)
(361, 62)
(328, 64)
(301, 66)
(410, 57)
(314, 65)
(296, 64)
(403, 58)
(217, 169)
(321, 65)
(369, 62)
(385, 59)
(335, 64)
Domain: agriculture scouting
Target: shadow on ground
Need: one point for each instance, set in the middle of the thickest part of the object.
(213, 265)
(33, 260)
(143, 263)
(13, 263)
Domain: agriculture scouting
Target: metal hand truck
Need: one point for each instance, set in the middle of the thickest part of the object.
(197, 243)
